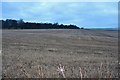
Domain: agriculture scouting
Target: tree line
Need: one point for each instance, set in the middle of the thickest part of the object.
(20, 24)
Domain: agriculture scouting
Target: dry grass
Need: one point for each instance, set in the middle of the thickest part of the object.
(59, 54)
(61, 71)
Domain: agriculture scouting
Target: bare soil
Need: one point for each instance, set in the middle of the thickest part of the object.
(38, 53)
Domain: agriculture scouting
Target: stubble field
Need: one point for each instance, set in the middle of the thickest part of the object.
(40, 54)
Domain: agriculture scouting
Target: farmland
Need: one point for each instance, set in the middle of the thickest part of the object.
(39, 53)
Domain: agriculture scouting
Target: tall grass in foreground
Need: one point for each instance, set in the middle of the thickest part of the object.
(63, 72)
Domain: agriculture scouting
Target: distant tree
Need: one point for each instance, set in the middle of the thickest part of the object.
(82, 27)
(10, 24)
(73, 27)
(1, 22)
(20, 21)
(20, 24)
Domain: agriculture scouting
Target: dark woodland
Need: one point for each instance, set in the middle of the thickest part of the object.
(20, 24)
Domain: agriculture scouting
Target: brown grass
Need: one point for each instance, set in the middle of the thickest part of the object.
(61, 70)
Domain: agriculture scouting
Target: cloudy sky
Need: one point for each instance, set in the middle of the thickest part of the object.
(82, 14)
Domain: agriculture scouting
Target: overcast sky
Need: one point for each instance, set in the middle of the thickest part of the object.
(82, 14)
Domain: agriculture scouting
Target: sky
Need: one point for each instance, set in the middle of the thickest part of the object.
(82, 14)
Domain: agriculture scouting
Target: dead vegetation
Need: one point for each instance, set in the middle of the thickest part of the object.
(59, 54)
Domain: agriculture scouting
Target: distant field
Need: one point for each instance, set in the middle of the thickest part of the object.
(39, 53)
